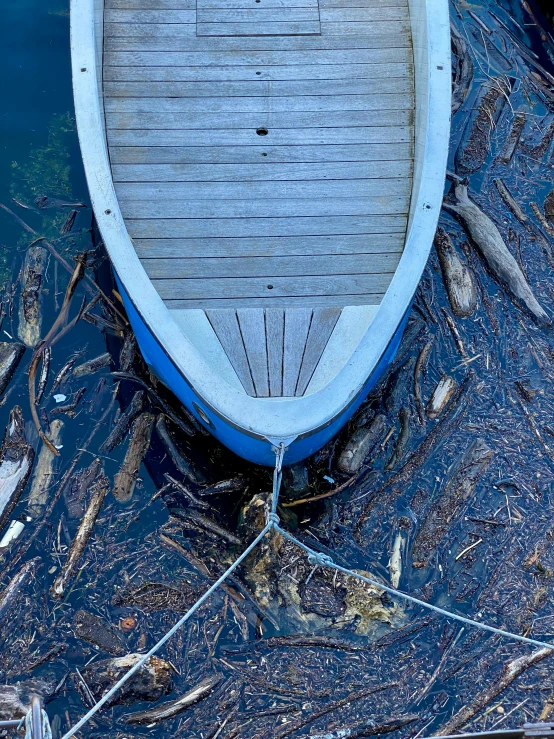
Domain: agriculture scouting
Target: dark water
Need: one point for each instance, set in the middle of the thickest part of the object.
(492, 559)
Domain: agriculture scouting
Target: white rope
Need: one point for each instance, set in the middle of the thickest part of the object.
(316, 559)
(46, 730)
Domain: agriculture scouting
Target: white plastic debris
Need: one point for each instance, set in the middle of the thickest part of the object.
(60, 398)
(14, 530)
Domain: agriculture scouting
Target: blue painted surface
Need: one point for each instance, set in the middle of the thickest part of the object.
(252, 448)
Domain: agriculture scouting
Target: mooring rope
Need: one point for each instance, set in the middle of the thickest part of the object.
(317, 559)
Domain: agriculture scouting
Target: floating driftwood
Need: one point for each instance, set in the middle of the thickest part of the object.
(15, 700)
(498, 258)
(95, 630)
(10, 356)
(173, 708)
(151, 681)
(44, 472)
(124, 422)
(360, 445)
(82, 536)
(463, 70)
(457, 277)
(77, 488)
(403, 439)
(16, 584)
(512, 141)
(16, 461)
(93, 365)
(30, 306)
(44, 370)
(444, 390)
(177, 457)
(126, 478)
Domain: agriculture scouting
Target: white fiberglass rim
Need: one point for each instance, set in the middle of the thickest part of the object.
(277, 417)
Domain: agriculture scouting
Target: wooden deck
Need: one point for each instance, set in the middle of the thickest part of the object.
(262, 155)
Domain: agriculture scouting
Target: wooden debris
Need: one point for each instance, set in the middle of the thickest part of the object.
(30, 306)
(457, 277)
(63, 374)
(95, 630)
(126, 478)
(148, 684)
(173, 708)
(44, 472)
(124, 422)
(360, 444)
(15, 700)
(463, 70)
(512, 670)
(93, 365)
(70, 407)
(420, 370)
(403, 439)
(177, 457)
(440, 398)
(365, 728)
(451, 502)
(498, 258)
(10, 356)
(512, 141)
(69, 221)
(44, 370)
(77, 488)
(12, 590)
(16, 461)
(395, 561)
(549, 206)
(475, 145)
(82, 536)
(157, 596)
(208, 525)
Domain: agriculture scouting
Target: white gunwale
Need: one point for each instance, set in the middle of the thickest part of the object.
(275, 418)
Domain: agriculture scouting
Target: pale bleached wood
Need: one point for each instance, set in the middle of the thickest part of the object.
(391, 243)
(265, 227)
(276, 301)
(396, 204)
(245, 154)
(298, 28)
(276, 53)
(152, 4)
(144, 42)
(163, 16)
(252, 327)
(297, 325)
(368, 89)
(278, 72)
(276, 286)
(364, 14)
(191, 4)
(321, 327)
(212, 267)
(270, 171)
(259, 189)
(275, 333)
(258, 14)
(226, 326)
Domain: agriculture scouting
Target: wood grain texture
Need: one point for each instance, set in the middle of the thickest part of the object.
(252, 327)
(275, 334)
(226, 326)
(321, 327)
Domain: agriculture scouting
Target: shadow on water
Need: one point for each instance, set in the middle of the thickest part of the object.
(452, 502)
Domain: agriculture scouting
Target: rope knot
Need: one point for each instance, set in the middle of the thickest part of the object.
(318, 558)
(273, 518)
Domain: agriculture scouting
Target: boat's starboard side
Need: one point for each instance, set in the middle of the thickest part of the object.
(244, 423)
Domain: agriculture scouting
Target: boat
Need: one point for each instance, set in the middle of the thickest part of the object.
(266, 176)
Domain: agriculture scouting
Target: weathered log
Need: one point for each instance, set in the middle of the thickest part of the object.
(125, 480)
(420, 370)
(15, 700)
(16, 461)
(30, 305)
(457, 277)
(361, 444)
(498, 258)
(10, 356)
(15, 585)
(124, 422)
(44, 370)
(440, 398)
(82, 536)
(512, 141)
(173, 708)
(93, 365)
(403, 439)
(44, 472)
(76, 489)
(177, 457)
(148, 684)
(463, 69)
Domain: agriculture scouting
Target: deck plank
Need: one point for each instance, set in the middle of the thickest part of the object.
(226, 326)
(297, 325)
(252, 327)
(275, 334)
(321, 328)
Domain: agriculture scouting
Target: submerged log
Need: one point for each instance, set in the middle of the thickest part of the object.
(360, 444)
(125, 480)
(457, 277)
(82, 536)
(30, 306)
(93, 629)
(10, 356)
(44, 472)
(93, 365)
(173, 708)
(16, 461)
(463, 70)
(177, 457)
(124, 422)
(512, 141)
(403, 439)
(452, 501)
(498, 258)
(76, 489)
(10, 592)
(148, 684)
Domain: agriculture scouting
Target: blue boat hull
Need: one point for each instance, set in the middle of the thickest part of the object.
(238, 440)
